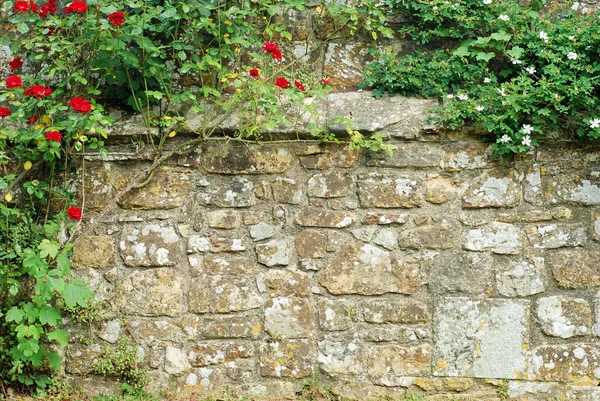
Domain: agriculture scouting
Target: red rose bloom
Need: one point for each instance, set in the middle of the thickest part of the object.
(117, 18)
(48, 8)
(77, 6)
(21, 6)
(276, 54)
(325, 81)
(38, 91)
(254, 73)
(74, 213)
(4, 112)
(15, 64)
(32, 119)
(33, 6)
(14, 81)
(270, 47)
(282, 83)
(54, 136)
(299, 85)
(80, 104)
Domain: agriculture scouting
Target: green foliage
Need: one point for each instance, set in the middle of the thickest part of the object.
(121, 361)
(506, 69)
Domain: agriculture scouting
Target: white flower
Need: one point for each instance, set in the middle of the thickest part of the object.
(479, 108)
(530, 70)
(595, 123)
(575, 6)
(487, 80)
(572, 56)
(505, 138)
(463, 97)
(571, 37)
(487, 1)
(450, 96)
(501, 91)
(526, 140)
(504, 17)
(544, 36)
(515, 62)
(556, 96)
(435, 8)
(528, 129)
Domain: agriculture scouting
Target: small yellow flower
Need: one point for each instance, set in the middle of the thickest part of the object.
(318, 9)
(172, 134)
(8, 197)
(27, 165)
(227, 22)
(46, 119)
(226, 35)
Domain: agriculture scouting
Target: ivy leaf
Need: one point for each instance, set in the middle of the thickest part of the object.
(462, 51)
(54, 360)
(485, 56)
(48, 248)
(63, 262)
(15, 315)
(34, 264)
(49, 315)
(501, 36)
(516, 52)
(76, 293)
(59, 335)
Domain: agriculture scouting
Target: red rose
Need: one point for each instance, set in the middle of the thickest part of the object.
(254, 73)
(299, 85)
(77, 6)
(117, 18)
(33, 6)
(270, 47)
(38, 91)
(14, 81)
(276, 54)
(15, 64)
(74, 213)
(4, 112)
(325, 81)
(80, 104)
(32, 119)
(54, 136)
(48, 8)
(21, 6)
(282, 83)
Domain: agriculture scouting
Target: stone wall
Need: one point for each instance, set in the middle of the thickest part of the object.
(253, 268)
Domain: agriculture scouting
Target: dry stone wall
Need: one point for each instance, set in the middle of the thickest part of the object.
(253, 268)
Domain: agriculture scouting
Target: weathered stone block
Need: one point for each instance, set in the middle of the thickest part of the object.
(408, 154)
(218, 353)
(403, 311)
(552, 236)
(466, 272)
(239, 159)
(384, 333)
(155, 331)
(521, 279)
(221, 294)
(389, 363)
(332, 184)
(234, 326)
(596, 225)
(368, 270)
(150, 245)
(97, 186)
(288, 358)
(328, 156)
(175, 360)
(575, 269)
(376, 190)
(289, 317)
(494, 189)
(274, 253)
(97, 252)
(564, 317)
(336, 314)
(480, 338)
(317, 217)
(217, 265)
(237, 192)
(571, 363)
(167, 189)
(226, 219)
(442, 235)
(262, 231)
(385, 218)
(310, 244)
(467, 156)
(288, 190)
(440, 189)
(81, 359)
(156, 292)
(198, 243)
(288, 282)
(387, 238)
(338, 358)
(497, 237)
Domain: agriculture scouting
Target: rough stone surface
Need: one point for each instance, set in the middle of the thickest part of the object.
(197, 243)
(237, 192)
(395, 311)
(288, 190)
(390, 363)
(499, 238)
(408, 154)
(390, 191)
(150, 245)
(336, 314)
(331, 184)
(288, 282)
(288, 358)
(218, 353)
(556, 236)
(573, 269)
(274, 253)
(440, 189)
(287, 317)
(95, 251)
(156, 292)
(262, 231)
(493, 189)
(521, 279)
(220, 294)
(317, 217)
(465, 272)
(574, 363)
(480, 338)
(432, 236)
(225, 219)
(369, 270)
(167, 189)
(310, 244)
(564, 317)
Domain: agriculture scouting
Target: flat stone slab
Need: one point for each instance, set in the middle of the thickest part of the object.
(485, 338)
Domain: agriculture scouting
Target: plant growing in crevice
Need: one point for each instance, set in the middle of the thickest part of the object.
(121, 361)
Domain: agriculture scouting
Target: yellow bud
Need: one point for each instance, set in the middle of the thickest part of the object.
(318, 9)
(39, 126)
(167, 118)
(93, 131)
(227, 22)
(27, 165)
(11, 95)
(8, 197)
(259, 118)
(46, 119)
(233, 76)
(226, 35)
(172, 134)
